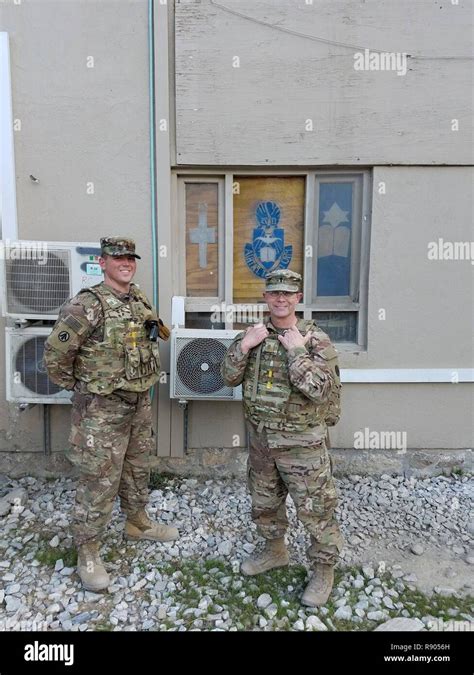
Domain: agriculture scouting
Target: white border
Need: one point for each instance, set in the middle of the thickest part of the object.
(7, 149)
(382, 375)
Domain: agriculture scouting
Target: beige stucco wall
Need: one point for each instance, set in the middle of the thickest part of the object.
(78, 125)
(432, 416)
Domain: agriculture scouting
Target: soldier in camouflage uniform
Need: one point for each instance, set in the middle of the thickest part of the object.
(291, 393)
(104, 348)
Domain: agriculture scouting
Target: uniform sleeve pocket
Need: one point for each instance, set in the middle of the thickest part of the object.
(328, 353)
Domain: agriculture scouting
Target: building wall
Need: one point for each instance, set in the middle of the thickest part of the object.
(83, 125)
(254, 110)
(78, 125)
(428, 321)
(255, 115)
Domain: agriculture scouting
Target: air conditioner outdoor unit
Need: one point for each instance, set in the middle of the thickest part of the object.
(196, 357)
(27, 379)
(38, 276)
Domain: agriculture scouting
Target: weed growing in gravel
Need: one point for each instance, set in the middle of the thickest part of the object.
(211, 589)
(47, 555)
(160, 480)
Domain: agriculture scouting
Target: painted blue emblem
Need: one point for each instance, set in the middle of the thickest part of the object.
(267, 252)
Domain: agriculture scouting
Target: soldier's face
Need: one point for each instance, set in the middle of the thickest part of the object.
(118, 270)
(282, 304)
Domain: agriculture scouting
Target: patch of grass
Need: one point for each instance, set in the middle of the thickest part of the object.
(159, 480)
(215, 578)
(112, 555)
(47, 555)
(168, 568)
(435, 605)
(217, 564)
(103, 626)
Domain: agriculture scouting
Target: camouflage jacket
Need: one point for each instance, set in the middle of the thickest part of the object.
(90, 342)
(295, 390)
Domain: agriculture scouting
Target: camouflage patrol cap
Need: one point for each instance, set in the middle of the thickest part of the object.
(118, 246)
(283, 280)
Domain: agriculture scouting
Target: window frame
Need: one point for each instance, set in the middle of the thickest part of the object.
(360, 241)
(200, 303)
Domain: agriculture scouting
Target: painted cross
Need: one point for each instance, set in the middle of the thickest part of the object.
(203, 235)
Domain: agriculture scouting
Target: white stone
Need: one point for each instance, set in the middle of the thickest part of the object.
(343, 613)
(263, 600)
(314, 623)
(377, 615)
(225, 548)
(271, 611)
(368, 571)
(162, 612)
(402, 625)
(417, 549)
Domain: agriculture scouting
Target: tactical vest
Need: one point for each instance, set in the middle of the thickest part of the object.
(126, 358)
(271, 401)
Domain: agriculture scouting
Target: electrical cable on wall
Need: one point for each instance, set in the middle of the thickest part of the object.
(315, 38)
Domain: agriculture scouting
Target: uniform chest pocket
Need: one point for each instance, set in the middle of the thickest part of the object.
(270, 347)
(132, 361)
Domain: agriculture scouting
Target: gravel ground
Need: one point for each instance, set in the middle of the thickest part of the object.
(409, 555)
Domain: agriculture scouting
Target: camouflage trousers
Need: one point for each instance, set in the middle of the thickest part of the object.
(110, 444)
(304, 472)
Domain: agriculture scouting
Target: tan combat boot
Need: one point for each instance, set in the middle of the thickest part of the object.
(320, 586)
(275, 554)
(139, 526)
(93, 574)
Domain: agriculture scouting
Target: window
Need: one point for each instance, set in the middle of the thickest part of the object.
(339, 242)
(234, 228)
(200, 258)
(268, 227)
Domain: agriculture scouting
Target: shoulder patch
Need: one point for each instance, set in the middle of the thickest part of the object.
(328, 353)
(76, 324)
(61, 337)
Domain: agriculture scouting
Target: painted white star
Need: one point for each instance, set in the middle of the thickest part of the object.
(335, 216)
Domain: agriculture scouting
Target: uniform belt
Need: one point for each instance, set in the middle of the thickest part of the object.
(275, 426)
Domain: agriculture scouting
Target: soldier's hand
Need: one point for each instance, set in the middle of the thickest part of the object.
(253, 337)
(293, 338)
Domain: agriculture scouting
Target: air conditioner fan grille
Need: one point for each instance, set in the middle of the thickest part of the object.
(35, 287)
(30, 369)
(198, 365)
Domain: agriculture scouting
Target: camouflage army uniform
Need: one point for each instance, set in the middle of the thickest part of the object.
(99, 348)
(290, 398)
